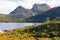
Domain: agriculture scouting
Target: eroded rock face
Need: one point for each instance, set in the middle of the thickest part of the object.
(40, 8)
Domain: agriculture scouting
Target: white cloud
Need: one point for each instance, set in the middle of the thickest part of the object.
(53, 3)
(29, 3)
(8, 6)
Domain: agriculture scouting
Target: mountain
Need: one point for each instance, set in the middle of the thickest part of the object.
(40, 8)
(52, 14)
(21, 12)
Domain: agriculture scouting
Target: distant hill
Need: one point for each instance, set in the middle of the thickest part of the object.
(3, 17)
(35, 14)
(52, 14)
(21, 12)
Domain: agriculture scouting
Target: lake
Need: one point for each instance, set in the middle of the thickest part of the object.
(4, 26)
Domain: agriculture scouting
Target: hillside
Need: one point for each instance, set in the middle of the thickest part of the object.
(57, 19)
(52, 14)
(21, 12)
(45, 31)
(3, 18)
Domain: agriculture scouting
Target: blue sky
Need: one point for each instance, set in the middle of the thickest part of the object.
(7, 6)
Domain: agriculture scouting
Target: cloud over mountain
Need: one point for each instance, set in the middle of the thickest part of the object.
(7, 6)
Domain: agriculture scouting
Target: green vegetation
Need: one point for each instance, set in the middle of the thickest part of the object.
(37, 19)
(52, 14)
(48, 30)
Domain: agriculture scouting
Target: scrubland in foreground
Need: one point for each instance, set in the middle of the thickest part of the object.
(49, 30)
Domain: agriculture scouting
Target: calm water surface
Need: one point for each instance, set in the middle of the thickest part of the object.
(4, 26)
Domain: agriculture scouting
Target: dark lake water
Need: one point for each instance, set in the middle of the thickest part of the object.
(4, 26)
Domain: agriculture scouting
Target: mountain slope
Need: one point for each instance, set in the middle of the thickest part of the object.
(52, 14)
(3, 17)
(21, 12)
(40, 8)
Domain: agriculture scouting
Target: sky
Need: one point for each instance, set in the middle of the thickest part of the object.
(6, 6)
